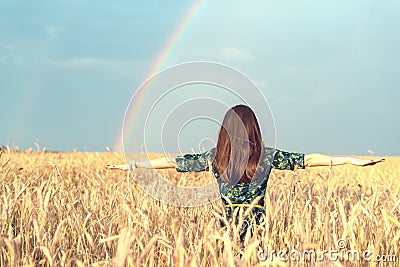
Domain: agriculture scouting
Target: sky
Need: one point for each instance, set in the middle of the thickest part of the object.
(328, 69)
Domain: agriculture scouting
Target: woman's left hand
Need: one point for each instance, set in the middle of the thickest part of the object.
(122, 167)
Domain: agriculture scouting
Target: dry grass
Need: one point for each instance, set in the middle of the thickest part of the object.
(66, 209)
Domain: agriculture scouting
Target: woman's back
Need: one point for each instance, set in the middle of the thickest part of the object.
(242, 192)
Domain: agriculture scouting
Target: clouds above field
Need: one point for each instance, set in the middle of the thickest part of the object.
(236, 54)
(322, 65)
(95, 64)
(53, 31)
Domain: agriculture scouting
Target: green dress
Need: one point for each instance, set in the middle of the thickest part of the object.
(242, 193)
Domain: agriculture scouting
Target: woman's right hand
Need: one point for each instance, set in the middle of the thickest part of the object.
(365, 162)
(132, 165)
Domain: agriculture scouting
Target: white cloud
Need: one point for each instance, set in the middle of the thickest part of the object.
(88, 63)
(263, 84)
(81, 63)
(8, 46)
(53, 31)
(236, 54)
(17, 60)
(13, 60)
(329, 96)
(97, 64)
(8, 57)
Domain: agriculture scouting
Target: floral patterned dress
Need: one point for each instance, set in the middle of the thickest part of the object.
(242, 193)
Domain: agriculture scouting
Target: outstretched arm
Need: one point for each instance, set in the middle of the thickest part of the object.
(315, 160)
(184, 163)
(161, 163)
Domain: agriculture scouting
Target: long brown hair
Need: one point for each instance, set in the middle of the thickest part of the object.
(239, 146)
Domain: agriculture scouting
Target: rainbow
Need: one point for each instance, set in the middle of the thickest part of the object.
(159, 62)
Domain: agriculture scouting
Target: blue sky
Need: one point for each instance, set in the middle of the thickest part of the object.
(329, 69)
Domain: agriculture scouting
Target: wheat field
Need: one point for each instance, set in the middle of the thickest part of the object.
(66, 209)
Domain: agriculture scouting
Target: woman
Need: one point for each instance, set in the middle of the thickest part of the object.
(241, 163)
